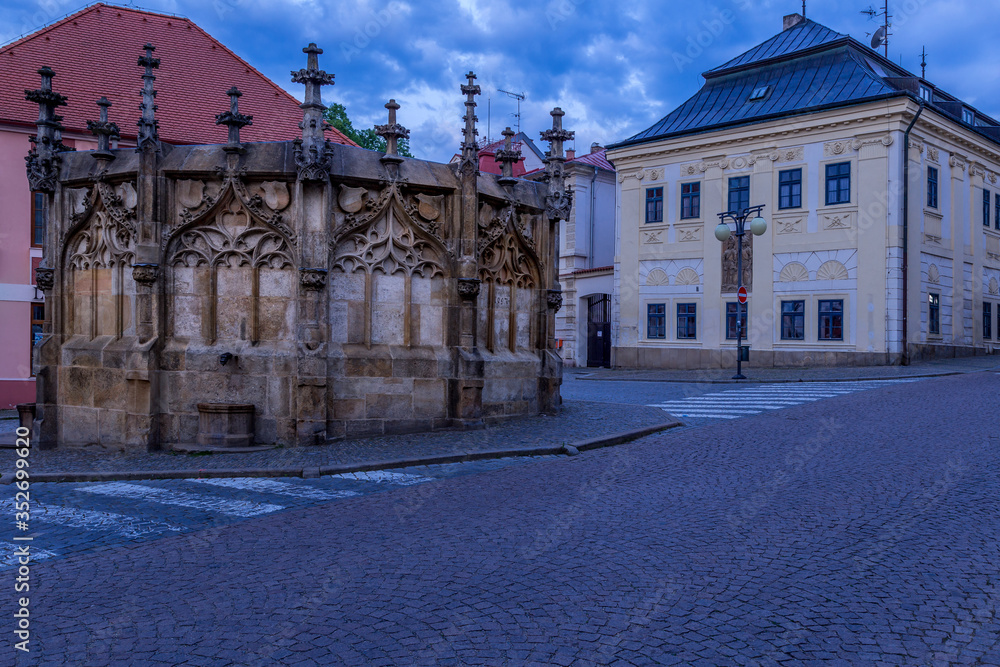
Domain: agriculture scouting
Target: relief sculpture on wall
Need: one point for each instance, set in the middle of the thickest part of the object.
(729, 263)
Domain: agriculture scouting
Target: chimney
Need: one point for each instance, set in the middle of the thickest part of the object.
(596, 147)
(792, 20)
(570, 153)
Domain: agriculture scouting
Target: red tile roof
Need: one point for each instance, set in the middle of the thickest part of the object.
(94, 53)
(489, 165)
(597, 159)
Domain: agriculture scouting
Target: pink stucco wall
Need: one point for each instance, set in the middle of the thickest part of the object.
(16, 383)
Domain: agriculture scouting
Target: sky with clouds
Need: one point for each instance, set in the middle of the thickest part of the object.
(614, 68)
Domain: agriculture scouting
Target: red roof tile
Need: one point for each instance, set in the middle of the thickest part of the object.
(597, 159)
(489, 165)
(94, 53)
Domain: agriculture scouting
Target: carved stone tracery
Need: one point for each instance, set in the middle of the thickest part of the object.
(265, 200)
(102, 243)
(508, 261)
(233, 238)
(389, 246)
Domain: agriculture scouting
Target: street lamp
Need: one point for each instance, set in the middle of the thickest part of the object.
(758, 226)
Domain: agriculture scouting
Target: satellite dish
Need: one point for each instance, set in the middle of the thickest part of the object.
(878, 39)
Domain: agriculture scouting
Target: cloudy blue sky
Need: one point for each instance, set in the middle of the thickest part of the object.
(614, 67)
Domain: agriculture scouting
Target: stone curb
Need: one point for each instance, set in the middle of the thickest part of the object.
(755, 381)
(313, 472)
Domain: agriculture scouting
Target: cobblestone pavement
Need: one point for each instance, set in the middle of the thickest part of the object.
(697, 404)
(818, 374)
(860, 529)
(67, 518)
(578, 420)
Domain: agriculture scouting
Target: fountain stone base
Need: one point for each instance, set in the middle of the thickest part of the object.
(225, 425)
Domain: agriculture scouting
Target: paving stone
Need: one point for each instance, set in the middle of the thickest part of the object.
(873, 530)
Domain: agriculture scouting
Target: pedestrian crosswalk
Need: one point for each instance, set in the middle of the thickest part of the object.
(755, 399)
(72, 517)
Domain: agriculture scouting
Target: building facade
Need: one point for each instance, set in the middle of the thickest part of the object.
(586, 261)
(875, 253)
(189, 94)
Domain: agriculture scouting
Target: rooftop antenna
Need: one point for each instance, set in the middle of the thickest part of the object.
(518, 97)
(803, 8)
(923, 63)
(881, 36)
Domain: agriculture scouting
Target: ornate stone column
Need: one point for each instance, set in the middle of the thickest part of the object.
(312, 382)
(42, 164)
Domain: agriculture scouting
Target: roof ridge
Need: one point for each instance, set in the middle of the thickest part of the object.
(826, 38)
(80, 12)
(97, 6)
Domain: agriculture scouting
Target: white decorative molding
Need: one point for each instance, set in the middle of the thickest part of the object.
(802, 266)
(743, 161)
(788, 225)
(835, 221)
(832, 270)
(854, 144)
(657, 277)
(680, 275)
(958, 162)
(994, 287)
(688, 233)
(687, 276)
(933, 275)
(652, 237)
(793, 272)
(705, 165)
(932, 154)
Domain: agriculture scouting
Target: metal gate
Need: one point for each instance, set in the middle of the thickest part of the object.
(599, 330)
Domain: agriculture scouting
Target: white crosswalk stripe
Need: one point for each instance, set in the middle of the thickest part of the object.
(92, 520)
(384, 477)
(179, 498)
(753, 400)
(275, 486)
(10, 554)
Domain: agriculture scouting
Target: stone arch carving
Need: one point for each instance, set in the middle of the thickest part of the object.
(657, 277)
(832, 270)
(793, 272)
(233, 237)
(229, 237)
(687, 276)
(389, 244)
(511, 272)
(390, 253)
(933, 274)
(97, 253)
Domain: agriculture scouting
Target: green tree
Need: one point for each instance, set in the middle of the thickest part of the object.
(336, 115)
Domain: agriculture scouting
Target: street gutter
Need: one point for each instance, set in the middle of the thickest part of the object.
(322, 471)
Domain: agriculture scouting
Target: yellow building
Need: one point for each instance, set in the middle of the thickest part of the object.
(863, 249)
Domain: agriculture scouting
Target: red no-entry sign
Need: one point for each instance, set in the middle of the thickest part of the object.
(742, 295)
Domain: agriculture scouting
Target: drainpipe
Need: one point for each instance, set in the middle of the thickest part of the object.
(593, 199)
(906, 215)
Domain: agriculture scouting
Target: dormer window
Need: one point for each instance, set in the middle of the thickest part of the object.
(925, 93)
(759, 93)
(969, 116)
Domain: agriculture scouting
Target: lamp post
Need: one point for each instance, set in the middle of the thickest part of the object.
(757, 227)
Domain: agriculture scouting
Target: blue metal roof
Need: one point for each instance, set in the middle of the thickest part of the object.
(804, 36)
(834, 77)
